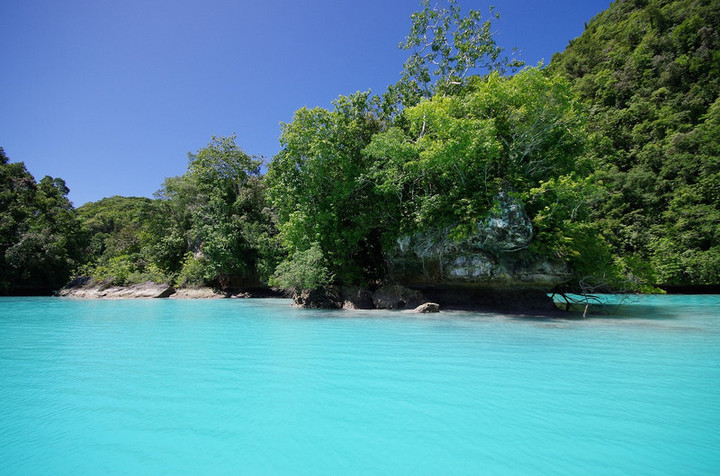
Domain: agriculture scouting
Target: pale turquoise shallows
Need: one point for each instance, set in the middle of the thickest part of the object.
(257, 387)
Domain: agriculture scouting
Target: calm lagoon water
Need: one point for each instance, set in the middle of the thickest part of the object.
(257, 387)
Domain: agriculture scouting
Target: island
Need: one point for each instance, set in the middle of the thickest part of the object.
(473, 181)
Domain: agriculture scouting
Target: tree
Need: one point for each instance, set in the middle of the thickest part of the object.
(303, 270)
(456, 153)
(220, 171)
(209, 226)
(317, 186)
(522, 136)
(446, 47)
(120, 232)
(217, 211)
(41, 240)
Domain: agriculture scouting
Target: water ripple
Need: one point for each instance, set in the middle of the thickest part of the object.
(258, 387)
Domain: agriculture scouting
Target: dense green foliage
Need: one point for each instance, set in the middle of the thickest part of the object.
(119, 228)
(207, 226)
(453, 154)
(650, 70)
(522, 135)
(303, 270)
(40, 237)
(352, 180)
(216, 212)
(318, 187)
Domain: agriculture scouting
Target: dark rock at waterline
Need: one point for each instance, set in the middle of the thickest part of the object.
(394, 296)
(253, 292)
(335, 297)
(167, 291)
(430, 298)
(355, 297)
(691, 289)
(483, 298)
(323, 298)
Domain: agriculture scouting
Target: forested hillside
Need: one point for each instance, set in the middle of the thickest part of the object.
(649, 71)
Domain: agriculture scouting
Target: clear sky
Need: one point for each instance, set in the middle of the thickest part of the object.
(111, 95)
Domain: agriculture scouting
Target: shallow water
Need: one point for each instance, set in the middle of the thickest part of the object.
(257, 387)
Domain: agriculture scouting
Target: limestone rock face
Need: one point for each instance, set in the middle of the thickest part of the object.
(394, 296)
(147, 289)
(198, 293)
(507, 228)
(494, 254)
(505, 270)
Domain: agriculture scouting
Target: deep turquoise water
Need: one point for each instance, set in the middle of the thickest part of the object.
(257, 387)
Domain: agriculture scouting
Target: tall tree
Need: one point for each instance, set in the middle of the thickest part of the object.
(446, 46)
(40, 236)
(522, 136)
(218, 209)
(317, 185)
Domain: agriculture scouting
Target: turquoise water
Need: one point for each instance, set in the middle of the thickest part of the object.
(257, 387)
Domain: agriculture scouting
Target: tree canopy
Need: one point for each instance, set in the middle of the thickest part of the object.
(446, 46)
(41, 240)
(318, 187)
(207, 226)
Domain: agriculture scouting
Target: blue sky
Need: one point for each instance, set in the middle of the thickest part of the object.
(112, 95)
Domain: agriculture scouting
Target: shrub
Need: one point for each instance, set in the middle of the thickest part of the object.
(303, 270)
(196, 271)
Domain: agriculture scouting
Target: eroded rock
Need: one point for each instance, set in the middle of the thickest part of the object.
(323, 298)
(394, 296)
(199, 293)
(494, 254)
(355, 297)
(507, 228)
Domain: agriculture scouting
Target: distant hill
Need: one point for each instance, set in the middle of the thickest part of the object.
(649, 70)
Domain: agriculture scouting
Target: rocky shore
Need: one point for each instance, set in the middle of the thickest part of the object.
(429, 298)
(491, 269)
(420, 298)
(86, 288)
